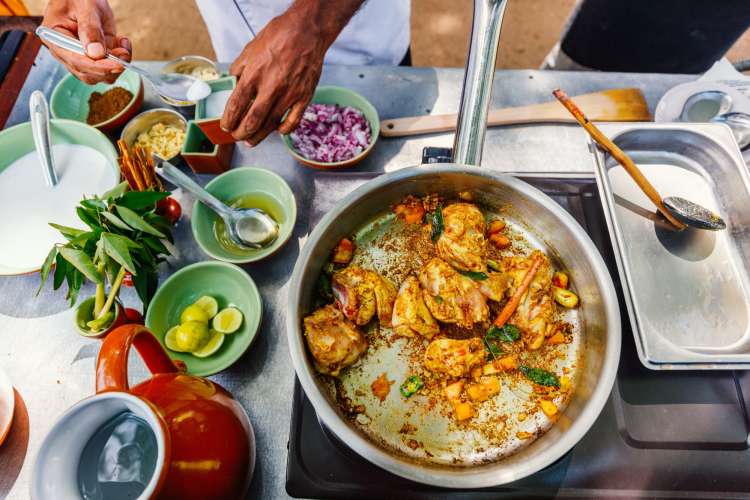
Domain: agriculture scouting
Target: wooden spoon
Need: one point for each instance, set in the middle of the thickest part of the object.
(617, 105)
(678, 211)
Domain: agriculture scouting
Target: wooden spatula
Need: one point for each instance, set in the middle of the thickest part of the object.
(617, 105)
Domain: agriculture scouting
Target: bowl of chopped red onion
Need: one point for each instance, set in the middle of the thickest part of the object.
(338, 129)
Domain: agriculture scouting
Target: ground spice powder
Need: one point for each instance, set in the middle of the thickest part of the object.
(104, 106)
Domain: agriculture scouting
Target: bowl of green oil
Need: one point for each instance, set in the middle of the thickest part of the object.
(244, 187)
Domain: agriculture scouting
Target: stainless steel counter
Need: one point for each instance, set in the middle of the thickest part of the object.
(52, 367)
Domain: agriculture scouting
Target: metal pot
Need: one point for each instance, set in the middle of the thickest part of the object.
(551, 227)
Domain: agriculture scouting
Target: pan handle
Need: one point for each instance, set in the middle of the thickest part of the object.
(477, 91)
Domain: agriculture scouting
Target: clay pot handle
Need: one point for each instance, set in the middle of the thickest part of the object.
(112, 363)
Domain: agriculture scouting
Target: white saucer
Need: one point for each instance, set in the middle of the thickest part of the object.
(670, 105)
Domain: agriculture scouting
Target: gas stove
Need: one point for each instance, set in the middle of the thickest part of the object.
(667, 434)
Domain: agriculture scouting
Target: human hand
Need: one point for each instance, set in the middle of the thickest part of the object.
(276, 72)
(93, 23)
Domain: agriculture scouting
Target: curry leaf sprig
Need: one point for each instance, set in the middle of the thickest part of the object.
(124, 235)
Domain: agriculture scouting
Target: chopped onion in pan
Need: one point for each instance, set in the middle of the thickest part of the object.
(331, 133)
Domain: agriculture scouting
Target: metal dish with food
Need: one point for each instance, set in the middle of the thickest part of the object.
(338, 123)
(419, 437)
(197, 66)
(161, 130)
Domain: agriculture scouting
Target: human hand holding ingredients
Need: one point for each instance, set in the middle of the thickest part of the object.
(93, 23)
(278, 70)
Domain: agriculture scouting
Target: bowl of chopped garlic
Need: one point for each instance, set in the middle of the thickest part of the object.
(160, 130)
(198, 67)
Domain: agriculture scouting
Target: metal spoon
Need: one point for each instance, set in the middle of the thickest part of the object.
(740, 125)
(39, 115)
(705, 105)
(172, 85)
(247, 227)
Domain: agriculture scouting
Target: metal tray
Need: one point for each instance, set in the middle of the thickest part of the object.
(687, 293)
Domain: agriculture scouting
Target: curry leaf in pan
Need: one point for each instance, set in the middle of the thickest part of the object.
(540, 376)
(438, 225)
(506, 333)
(493, 350)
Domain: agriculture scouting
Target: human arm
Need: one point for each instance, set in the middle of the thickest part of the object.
(280, 68)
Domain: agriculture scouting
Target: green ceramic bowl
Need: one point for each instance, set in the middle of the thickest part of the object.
(17, 141)
(265, 190)
(342, 97)
(229, 285)
(70, 99)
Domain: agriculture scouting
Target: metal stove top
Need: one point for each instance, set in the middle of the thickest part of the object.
(661, 435)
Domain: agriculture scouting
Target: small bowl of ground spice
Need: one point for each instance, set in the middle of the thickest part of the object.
(104, 106)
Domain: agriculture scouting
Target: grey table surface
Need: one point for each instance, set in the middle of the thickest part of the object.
(52, 367)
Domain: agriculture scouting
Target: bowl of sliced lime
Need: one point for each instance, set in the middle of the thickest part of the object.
(207, 315)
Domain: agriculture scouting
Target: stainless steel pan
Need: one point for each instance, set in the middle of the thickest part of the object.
(459, 458)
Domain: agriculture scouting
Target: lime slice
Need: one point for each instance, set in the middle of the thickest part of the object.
(213, 345)
(170, 339)
(194, 313)
(208, 304)
(228, 320)
(192, 336)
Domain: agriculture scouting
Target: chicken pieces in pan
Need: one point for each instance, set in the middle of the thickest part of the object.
(454, 358)
(333, 340)
(495, 286)
(450, 296)
(361, 293)
(536, 310)
(462, 243)
(410, 313)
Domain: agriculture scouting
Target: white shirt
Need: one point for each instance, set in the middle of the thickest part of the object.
(377, 34)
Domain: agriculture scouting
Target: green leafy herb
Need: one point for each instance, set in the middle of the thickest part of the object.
(493, 350)
(324, 286)
(46, 268)
(93, 204)
(506, 333)
(125, 234)
(540, 376)
(115, 220)
(135, 221)
(438, 224)
(116, 191)
(82, 262)
(68, 232)
(138, 200)
(117, 247)
(438, 299)
(494, 265)
(411, 385)
(61, 267)
(475, 275)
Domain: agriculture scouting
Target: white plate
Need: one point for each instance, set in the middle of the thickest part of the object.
(670, 105)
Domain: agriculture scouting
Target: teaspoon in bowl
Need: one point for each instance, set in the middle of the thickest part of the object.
(247, 227)
(173, 85)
